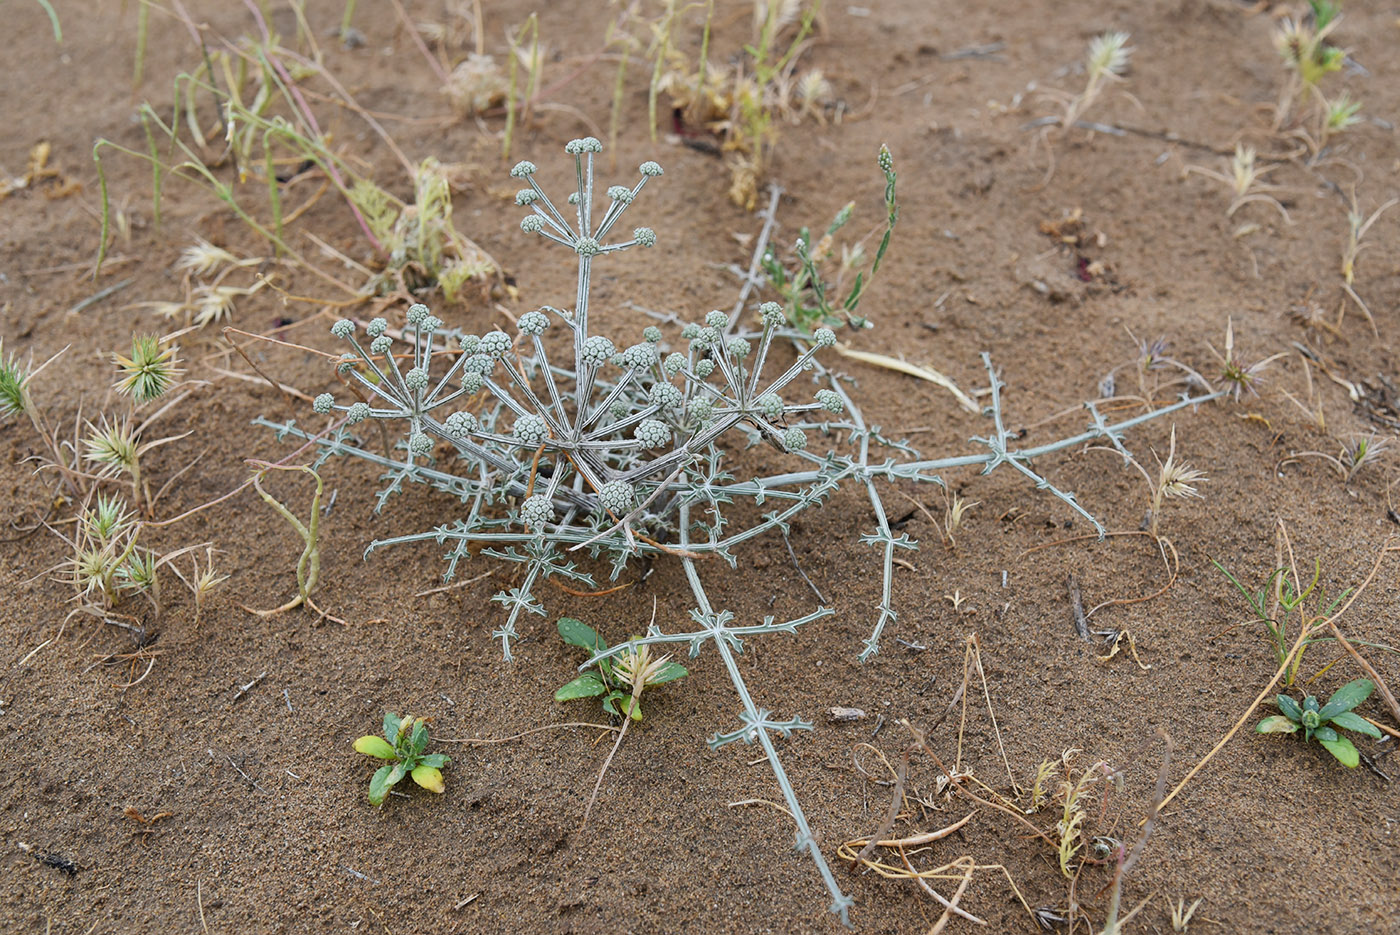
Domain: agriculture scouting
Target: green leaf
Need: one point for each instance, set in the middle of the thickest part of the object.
(419, 739)
(1347, 697)
(610, 702)
(391, 726)
(577, 633)
(1325, 734)
(435, 760)
(669, 673)
(371, 745)
(1350, 720)
(1343, 750)
(1291, 708)
(632, 707)
(1277, 724)
(379, 785)
(585, 686)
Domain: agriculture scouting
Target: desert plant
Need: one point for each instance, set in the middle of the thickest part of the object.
(631, 455)
(1310, 57)
(267, 122)
(1358, 225)
(1104, 64)
(807, 296)
(149, 372)
(620, 679)
(1281, 596)
(1246, 181)
(742, 100)
(308, 567)
(1320, 722)
(403, 744)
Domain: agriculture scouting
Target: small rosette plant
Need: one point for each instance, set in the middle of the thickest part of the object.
(403, 742)
(1320, 722)
(621, 678)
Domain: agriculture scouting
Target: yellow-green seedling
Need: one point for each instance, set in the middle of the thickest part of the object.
(1320, 722)
(403, 744)
(1307, 54)
(620, 679)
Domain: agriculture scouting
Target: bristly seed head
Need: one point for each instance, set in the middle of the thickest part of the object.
(530, 429)
(460, 424)
(533, 323)
(597, 350)
(653, 433)
(616, 497)
(149, 372)
(536, 511)
(14, 385)
(831, 400)
(495, 344)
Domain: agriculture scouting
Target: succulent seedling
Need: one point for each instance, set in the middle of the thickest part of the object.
(403, 744)
(1320, 722)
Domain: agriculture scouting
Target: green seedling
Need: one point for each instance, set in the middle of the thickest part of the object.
(403, 742)
(1280, 597)
(807, 296)
(620, 679)
(1320, 722)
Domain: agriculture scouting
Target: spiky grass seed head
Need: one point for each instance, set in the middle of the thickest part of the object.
(149, 372)
(14, 380)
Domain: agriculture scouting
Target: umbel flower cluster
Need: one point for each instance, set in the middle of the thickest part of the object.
(594, 454)
(562, 443)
